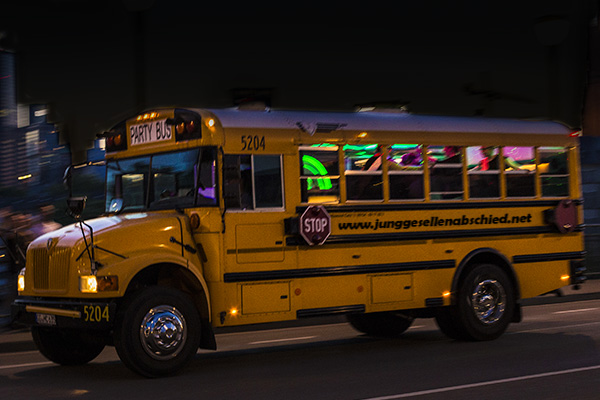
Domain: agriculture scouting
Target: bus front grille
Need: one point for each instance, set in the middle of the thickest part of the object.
(50, 268)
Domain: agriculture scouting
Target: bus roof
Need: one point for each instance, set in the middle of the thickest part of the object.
(323, 122)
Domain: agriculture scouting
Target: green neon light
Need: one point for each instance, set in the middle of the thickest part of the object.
(315, 167)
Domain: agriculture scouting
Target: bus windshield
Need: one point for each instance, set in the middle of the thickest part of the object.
(162, 181)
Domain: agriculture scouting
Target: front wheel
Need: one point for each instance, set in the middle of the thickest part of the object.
(68, 347)
(484, 307)
(157, 332)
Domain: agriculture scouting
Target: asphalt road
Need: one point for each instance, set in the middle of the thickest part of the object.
(552, 354)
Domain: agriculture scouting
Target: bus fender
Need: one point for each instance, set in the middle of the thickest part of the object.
(485, 255)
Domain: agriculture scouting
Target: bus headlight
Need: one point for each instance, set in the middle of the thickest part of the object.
(88, 284)
(95, 284)
(21, 280)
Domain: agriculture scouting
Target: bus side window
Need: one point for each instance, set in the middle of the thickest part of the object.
(237, 176)
(484, 171)
(405, 172)
(319, 174)
(268, 184)
(519, 170)
(446, 173)
(554, 171)
(363, 171)
(252, 182)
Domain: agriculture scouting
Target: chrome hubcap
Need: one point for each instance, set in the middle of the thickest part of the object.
(163, 332)
(489, 301)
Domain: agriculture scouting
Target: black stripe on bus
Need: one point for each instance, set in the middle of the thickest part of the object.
(438, 206)
(397, 236)
(336, 271)
(530, 258)
(320, 312)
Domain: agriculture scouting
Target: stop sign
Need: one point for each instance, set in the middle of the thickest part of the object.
(315, 225)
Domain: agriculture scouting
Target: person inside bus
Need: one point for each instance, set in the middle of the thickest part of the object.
(453, 155)
(375, 162)
(415, 158)
(370, 187)
(491, 160)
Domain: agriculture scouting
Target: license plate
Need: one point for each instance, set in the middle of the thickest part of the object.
(150, 132)
(45, 319)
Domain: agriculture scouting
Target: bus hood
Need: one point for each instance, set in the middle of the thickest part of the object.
(118, 235)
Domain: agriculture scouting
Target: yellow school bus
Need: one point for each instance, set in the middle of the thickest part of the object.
(225, 217)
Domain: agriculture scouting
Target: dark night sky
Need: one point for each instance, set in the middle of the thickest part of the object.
(89, 60)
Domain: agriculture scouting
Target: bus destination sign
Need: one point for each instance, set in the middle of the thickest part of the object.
(150, 132)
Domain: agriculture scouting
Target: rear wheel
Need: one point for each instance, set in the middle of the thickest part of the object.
(68, 347)
(157, 331)
(484, 306)
(387, 324)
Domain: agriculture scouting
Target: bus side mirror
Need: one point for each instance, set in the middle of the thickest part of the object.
(67, 179)
(75, 206)
(116, 205)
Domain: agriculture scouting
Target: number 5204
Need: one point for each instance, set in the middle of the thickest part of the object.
(96, 313)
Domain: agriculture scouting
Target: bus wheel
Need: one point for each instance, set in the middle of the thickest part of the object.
(157, 331)
(446, 321)
(386, 324)
(485, 303)
(67, 347)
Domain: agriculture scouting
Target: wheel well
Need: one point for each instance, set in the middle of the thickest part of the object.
(174, 276)
(486, 256)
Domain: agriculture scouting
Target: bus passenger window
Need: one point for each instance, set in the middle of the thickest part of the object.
(268, 184)
(519, 170)
(484, 171)
(554, 171)
(252, 182)
(445, 174)
(405, 172)
(319, 174)
(363, 171)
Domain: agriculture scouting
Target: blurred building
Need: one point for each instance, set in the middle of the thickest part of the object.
(32, 159)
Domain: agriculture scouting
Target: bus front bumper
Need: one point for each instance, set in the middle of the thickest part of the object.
(70, 314)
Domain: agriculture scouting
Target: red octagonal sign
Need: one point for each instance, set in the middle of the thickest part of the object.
(315, 225)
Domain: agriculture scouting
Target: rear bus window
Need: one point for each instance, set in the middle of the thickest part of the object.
(554, 171)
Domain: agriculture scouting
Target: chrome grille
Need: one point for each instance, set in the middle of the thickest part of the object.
(50, 268)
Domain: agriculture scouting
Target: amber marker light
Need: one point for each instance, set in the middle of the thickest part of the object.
(233, 312)
(446, 294)
(211, 123)
(194, 221)
(565, 278)
(363, 135)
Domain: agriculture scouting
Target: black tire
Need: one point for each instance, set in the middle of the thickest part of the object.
(157, 332)
(446, 321)
(68, 347)
(384, 324)
(484, 307)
